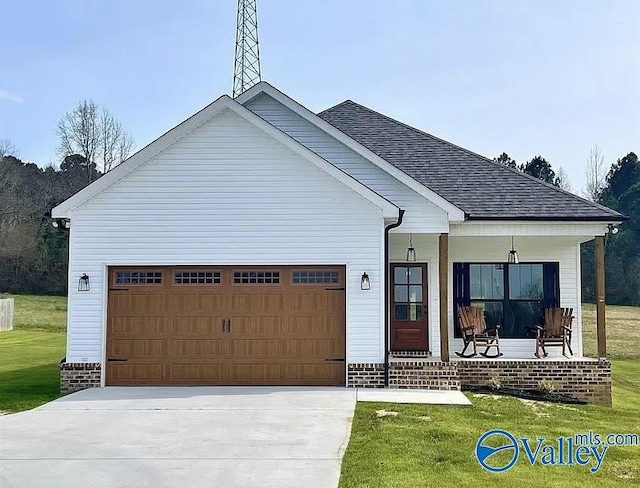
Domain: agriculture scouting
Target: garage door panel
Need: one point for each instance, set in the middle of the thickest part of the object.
(255, 373)
(257, 326)
(138, 348)
(138, 305)
(315, 373)
(135, 374)
(137, 326)
(227, 332)
(195, 373)
(313, 348)
(196, 304)
(240, 348)
(196, 325)
(255, 303)
(309, 325)
(196, 347)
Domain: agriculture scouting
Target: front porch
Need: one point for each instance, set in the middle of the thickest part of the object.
(437, 367)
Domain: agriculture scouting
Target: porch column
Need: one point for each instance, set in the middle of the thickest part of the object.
(600, 298)
(443, 268)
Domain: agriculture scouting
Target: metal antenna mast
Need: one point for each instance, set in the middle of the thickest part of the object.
(246, 71)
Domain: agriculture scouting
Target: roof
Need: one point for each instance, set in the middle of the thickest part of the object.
(168, 139)
(484, 189)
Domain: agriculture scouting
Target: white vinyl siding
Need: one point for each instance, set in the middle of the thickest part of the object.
(227, 194)
(563, 250)
(420, 216)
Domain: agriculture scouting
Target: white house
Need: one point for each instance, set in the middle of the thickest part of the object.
(260, 243)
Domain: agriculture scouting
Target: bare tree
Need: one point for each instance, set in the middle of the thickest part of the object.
(595, 174)
(94, 134)
(562, 179)
(115, 143)
(7, 148)
(79, 133)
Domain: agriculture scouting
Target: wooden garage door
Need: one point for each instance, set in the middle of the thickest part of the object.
(226, 326)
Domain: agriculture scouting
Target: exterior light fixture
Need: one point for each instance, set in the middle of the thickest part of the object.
(83, 283)
(613, 230)
(61, 224)
(411, 252)
(512, 258)
(365, 283)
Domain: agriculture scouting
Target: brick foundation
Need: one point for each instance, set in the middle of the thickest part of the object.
(79, 376)
(365, 375)
(588, 380)
(415, 373)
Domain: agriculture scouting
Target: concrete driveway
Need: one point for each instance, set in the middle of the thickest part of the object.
(180, 437)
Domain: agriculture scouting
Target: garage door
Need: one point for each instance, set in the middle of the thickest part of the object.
(226, 326)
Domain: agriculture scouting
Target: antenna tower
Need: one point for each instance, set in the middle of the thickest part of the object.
(246, 72)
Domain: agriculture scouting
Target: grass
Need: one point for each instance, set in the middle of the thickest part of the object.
(434, 446)
(30, 353)
(623, 331)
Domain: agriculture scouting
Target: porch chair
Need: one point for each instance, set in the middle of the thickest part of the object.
(555, 330)
(474, 331)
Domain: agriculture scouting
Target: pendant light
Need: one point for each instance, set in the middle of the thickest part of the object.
(512, 258)
(411, 252)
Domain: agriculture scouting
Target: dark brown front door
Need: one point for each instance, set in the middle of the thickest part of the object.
(409, 307)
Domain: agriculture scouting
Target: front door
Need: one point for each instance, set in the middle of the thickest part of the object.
(409, 307)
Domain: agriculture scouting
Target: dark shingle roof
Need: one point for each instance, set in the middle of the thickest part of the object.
(480, 187)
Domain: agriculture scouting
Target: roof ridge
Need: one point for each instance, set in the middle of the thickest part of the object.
(484, 158)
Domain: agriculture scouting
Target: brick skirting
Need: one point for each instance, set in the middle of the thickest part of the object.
(79, 376)
(588, 380)
(427, 374)
(365, 375)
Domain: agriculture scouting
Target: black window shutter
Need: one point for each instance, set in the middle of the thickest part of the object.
(551, 277)
(461, 285)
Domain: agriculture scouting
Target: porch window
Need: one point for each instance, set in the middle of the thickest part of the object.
(512, 295)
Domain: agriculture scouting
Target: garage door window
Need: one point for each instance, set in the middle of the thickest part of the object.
(256, 277)
(316, 276)
(139, 277)
(197, 277)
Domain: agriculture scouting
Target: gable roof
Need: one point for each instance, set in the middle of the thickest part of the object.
(484, 189)
(454, 213)
(200, 118)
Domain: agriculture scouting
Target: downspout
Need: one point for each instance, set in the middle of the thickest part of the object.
(387, 292)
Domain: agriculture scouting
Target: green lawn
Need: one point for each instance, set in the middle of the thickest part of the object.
(30, 353)
(431, 446)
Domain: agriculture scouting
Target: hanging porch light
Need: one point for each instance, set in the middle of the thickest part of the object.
(512, 258)
(411, 252)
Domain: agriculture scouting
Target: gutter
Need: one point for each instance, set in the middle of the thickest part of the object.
(387, 288)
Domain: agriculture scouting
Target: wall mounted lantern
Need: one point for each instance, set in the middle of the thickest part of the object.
(613, 230)
(365, 283)
(411, 252)
(83, 283)
(512, 258)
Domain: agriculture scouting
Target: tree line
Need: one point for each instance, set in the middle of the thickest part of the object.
(616, 187)
(33, 254)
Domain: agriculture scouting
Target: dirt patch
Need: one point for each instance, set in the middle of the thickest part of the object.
(386, 413)
(486, 395)
(540, 409)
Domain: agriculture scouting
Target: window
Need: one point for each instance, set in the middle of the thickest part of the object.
(316, 276)
(511, 295)
(256, 277)
(138, 277)
(197, 277)
(407, 293)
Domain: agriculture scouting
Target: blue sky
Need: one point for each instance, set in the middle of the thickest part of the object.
(537, 77)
